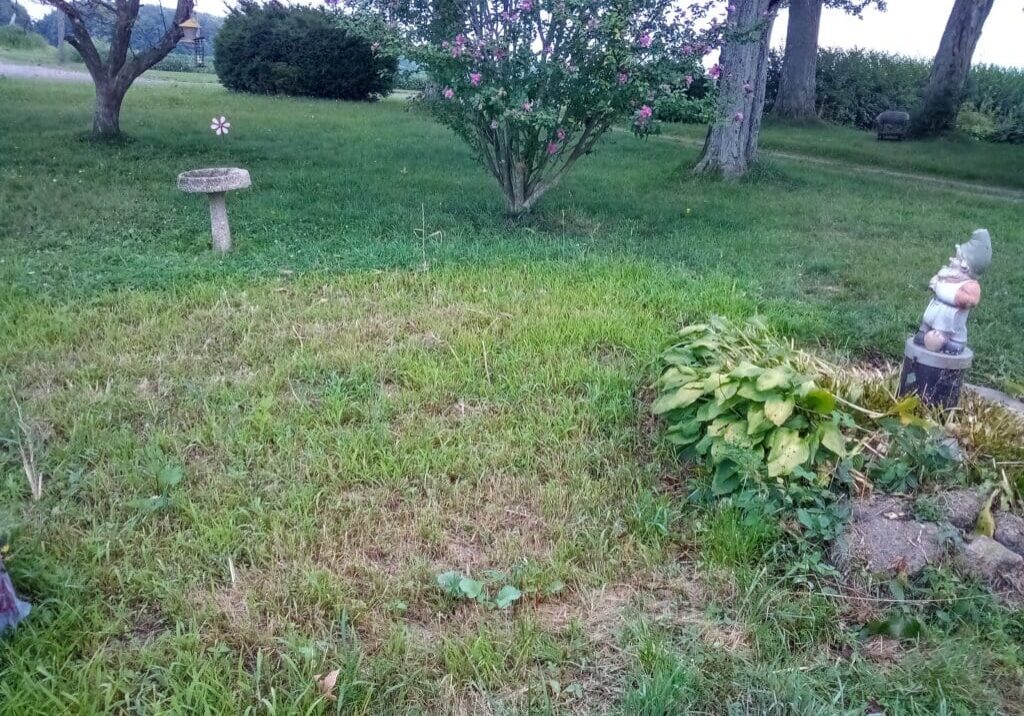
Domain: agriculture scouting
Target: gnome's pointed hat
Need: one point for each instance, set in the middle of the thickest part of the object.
(976, 253)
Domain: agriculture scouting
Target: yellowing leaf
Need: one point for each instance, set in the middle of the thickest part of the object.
(788, 451)
(678, 398)
(778, 410)
(774, 378)
(694, 328)
(746, 369)
(326, 684)
(736, 433)
(986, 524)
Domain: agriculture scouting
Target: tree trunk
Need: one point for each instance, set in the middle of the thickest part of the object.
(944, 91)
(731, 145)
(106, 120)
(795, 99)
(60, 37)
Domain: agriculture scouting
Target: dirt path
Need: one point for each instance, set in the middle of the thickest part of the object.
(994, 192)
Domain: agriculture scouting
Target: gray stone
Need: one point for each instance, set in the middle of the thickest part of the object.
(892, 124)
(882, 539)
(960, 507)
(998, 397)
(1000, 568)
(1010, 531)
(215, 183)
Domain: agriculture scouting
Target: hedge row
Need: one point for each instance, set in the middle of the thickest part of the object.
(853, 86)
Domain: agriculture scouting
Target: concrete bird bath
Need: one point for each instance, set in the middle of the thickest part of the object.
(215, 183)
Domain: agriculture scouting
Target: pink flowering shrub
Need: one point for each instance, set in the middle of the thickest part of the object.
(531, 85)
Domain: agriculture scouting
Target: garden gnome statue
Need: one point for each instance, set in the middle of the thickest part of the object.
(12, 609)
(937, 356)
(955, 291)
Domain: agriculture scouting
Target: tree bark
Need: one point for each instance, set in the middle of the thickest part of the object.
(106, 119)
(944, 91)
(731, 145)
(795, 99)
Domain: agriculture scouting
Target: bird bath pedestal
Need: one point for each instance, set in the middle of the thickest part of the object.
(215, 183)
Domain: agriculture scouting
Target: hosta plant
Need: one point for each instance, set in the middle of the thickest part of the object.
(737, 398)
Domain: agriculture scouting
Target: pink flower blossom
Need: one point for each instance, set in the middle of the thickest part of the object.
(527, 106)
(644, 40)
(475, 78)
(526, 5)
(623, 78)
(448, 93)
(738, 117)
(220, 126)
(715, 71)
(645, 112)
(552, 148)
(560, 134)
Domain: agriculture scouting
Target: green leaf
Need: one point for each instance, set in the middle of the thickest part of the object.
(152, 504)
(833, 439)
(169, 476)
(778, 410)
(681, 358)
(449, 582)
(775, 378)
(896, 626)
(674, 377)
(679, 398)
(788, 451)
(471, 588)
(748, 391)
(726, 480)
(819, 400)
(684, 433)
(712, 409)
(507, 596)
(719, 385)
(756, 420)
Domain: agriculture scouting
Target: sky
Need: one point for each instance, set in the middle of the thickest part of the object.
(914, 27)
(909, 27)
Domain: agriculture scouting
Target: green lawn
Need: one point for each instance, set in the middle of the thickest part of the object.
(386, 380)
(960, 158)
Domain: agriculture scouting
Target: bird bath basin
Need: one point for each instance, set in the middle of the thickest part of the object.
(215, 183)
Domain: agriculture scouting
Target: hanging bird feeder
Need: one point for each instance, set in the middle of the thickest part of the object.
(191, 29)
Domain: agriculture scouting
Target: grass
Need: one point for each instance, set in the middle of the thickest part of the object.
(386, 381)
(959, 157)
